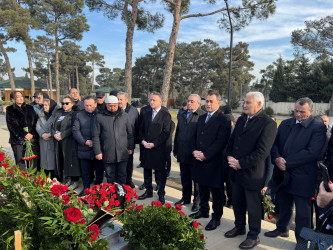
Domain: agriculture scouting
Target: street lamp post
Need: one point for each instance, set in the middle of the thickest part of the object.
(230, 51)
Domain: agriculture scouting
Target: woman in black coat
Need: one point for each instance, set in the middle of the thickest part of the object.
(18, 116)
(67, 163)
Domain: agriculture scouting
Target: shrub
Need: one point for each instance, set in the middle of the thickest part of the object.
(269, 111)
(161, 227)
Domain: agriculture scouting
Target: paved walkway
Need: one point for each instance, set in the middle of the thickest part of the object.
(215, 239)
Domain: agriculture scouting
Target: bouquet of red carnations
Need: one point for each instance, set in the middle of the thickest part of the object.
(112, 197)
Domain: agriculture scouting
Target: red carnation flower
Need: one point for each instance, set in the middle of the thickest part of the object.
(168, 205)
(270, 216)
(93, 228)
(178, 207)
(73, 214)
(65, 199)
(202, 237)
(181, 213)
(58, 190)
(139, 208)
(195, 224)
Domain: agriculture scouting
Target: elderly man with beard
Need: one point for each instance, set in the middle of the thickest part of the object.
(113, 140)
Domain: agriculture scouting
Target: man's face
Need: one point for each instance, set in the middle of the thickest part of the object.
(155, 102)
(302, 112)
(122, 101)
(90, 105)
(192, 103)
(251, 106)
(100, 100)
(75, 94)
(112, 107)
(326, 120)
(212, 104)
(39, 99)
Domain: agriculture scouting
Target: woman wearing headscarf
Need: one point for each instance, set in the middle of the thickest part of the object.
(46, 141)
(67, 163)
(18, 116)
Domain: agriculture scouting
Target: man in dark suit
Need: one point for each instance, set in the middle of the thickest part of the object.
(185, 132)
(247, 150)
(295, 152)
(154, 133)
(213, 132)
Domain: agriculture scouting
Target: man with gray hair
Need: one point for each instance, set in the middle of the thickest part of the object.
(185, 132)
(295, 153)
(247, 150)
(133, 116)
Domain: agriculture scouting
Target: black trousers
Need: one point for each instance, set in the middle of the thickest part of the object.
(244, 199)
(160, 177)
(217, 195)
(303, 212)
(19, 151)
(86, 166)
(186, 179)
(129, 169)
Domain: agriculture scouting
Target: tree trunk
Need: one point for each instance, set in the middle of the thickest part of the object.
(171, 53)
(77, 78)
(9, 69)
(57, 69)
(50, 78)
(93, 76)
(69, 81)
(32, 80)
(129, 48)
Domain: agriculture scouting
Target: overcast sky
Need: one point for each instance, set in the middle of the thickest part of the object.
(267, 39)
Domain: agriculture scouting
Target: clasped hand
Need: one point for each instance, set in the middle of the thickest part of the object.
(234, 163)
(148, 145)
(198, 155)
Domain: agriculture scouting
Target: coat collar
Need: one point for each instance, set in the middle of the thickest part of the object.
(304, 123)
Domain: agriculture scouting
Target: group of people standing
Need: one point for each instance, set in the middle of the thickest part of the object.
(83, 139)
(78, 139)
(204, 141)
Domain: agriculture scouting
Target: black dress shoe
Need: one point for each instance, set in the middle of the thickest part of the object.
(131, 184)
(249, 243)
(142, 187)
(145, 195)
(181, 202)
(212, 225)
(199, 215)
(275, 233)
(161, 199)
(195, 207)
(234, 232)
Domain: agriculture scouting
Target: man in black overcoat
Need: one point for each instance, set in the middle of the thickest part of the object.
(247, 150)
(213, 132)
(185, 133)
(154, 133)
(295, 153)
